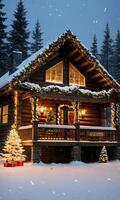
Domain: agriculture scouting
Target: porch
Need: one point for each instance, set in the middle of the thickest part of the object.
(66, 123)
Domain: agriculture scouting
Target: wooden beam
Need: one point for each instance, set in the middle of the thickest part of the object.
(96, 76)
(78, 58)
(26, 96)
(53, 56)
(85, 64)
(91, 68)
(101, 80)
(72, 52)
(105, 84)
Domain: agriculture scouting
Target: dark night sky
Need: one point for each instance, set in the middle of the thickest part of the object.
(83, 17)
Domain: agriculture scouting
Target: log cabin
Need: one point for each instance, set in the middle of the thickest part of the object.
(63, 102)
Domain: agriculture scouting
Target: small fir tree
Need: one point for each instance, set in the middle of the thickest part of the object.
(37, 38)
(103, 155)
(18, 35)
(94, 49)
(13, 149)
(50, 118)
(3, 48)
(106, 54)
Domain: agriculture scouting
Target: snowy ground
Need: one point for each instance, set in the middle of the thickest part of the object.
(75, 181)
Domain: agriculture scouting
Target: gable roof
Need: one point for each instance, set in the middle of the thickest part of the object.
(41, 57)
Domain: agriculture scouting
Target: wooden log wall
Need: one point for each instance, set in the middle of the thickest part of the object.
(94, 115)
(26, 112)
(5, 128)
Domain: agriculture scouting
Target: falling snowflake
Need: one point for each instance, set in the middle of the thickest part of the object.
(53, 192)
(95, 21)
(105, 9)
(56, 9)
(32, 183)
(75, 180)
(64, 194)
(109, 179)
(59, 15)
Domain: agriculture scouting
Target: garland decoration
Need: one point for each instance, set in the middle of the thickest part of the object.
(75, 91)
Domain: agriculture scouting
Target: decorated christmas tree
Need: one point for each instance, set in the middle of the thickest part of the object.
(103, 155)
(50, 118)
(13, 149)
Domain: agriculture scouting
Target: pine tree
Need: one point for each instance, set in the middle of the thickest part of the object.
(37, 38)
(107, 50)
(3, 48)
(13, 149)
(116, 57)
(94, 49)
(18, 36)
(103, 155)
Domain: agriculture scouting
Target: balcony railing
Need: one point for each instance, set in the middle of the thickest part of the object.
(66, 132)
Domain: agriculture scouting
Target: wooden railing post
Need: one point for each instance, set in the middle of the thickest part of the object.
(35, 119)
(115, 122)
(77, 132)
(115, 118)
(36, 146)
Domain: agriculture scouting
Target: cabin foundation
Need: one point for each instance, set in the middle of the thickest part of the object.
(36, 153)
(76, 153)
(118, 152)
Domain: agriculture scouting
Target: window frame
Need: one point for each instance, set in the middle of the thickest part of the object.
(2, 115)
(50, 68)
(84, 79)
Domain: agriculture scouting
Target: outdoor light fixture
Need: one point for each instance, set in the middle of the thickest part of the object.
(41, 110)
(50, 108)
(82, 112)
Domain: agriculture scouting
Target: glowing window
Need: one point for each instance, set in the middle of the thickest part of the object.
(4, 114)
(75, 77)
(55, 73)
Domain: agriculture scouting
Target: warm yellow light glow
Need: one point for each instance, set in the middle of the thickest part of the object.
(50, 108)
(15, 106)
(13, 149)
(55, 73)
(42, 109)
(75, 77)
(82, 112)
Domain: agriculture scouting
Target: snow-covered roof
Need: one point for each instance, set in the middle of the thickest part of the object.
(7, 78)
(41, 56)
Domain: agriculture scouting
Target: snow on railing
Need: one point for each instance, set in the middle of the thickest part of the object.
(54, 126)
(25, 127)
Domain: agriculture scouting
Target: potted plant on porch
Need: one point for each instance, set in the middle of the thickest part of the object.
(13, 150)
